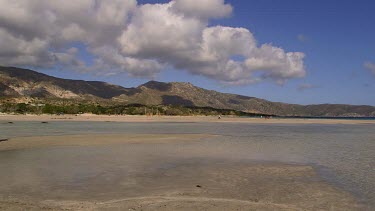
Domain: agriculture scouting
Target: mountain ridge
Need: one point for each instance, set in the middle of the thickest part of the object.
(18, 83)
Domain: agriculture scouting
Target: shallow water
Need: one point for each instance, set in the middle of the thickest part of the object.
(344, 154)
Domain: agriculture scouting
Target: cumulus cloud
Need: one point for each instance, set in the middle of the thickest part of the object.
(111, 62)
(204, 9)
(275, 63)
(140, 40)
(16, 50)
(370, 66)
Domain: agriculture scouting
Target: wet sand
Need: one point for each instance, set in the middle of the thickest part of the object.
(131, 172)
(96, 140)
(210, 119)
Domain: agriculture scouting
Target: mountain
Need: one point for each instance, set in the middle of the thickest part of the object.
(17, 82)
(20, 83)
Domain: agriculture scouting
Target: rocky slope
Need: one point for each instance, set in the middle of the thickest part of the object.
(16, 83)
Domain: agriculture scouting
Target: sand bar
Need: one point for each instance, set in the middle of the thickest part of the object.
(97, 140)
(131, 118)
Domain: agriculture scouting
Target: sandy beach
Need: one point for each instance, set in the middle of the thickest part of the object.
(228, 119)
(177, 184)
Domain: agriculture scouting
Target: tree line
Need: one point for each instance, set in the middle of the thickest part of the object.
(131, 109)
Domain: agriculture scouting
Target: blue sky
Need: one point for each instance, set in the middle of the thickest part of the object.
(340, 36)
(337, 37)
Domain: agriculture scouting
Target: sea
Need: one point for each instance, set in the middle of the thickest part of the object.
(343, 154)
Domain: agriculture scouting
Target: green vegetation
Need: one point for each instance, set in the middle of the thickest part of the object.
(132, 109)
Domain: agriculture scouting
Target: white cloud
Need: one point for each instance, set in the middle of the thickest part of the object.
(110, 61)
(223, 42)
(73, 32)
(156, 30)
(140, 40)
(370, 66)
(69, 59)
(16, 50)
(114, 12)
(203, 9)
(275, 63)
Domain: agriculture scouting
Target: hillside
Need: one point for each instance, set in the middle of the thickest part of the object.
(16, 82)
(19, 83)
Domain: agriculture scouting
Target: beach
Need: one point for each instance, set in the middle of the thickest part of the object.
(184, 163)
(136, 118)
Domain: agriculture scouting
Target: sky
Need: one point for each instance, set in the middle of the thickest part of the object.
(293, 51)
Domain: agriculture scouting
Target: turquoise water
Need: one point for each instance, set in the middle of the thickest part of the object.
(343, 154)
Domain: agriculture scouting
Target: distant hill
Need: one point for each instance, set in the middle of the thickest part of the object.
(18, 83)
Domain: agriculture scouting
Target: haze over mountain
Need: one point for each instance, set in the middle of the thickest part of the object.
(21, 83)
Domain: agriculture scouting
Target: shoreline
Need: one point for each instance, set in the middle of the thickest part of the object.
(176, 119)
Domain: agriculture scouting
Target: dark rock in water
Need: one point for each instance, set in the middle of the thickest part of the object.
(4, 139)
(44, 122)
(10, 122)
(198, 186)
